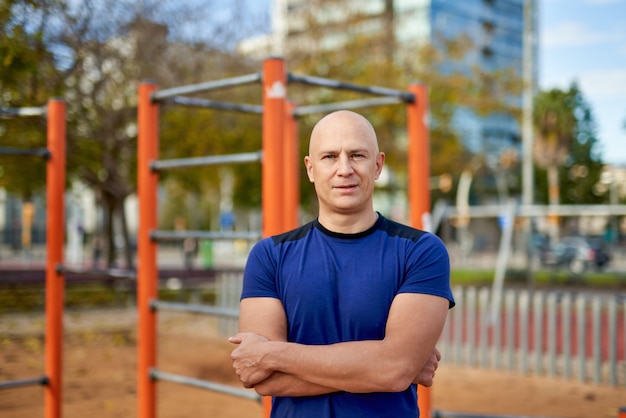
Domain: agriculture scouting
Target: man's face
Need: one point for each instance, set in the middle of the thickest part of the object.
(343, 163)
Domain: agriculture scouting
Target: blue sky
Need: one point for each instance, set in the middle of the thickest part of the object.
(585, 41)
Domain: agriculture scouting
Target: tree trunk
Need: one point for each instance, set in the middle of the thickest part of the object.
(553, 199)
(116, 224)
(128, 250)
(109, 234)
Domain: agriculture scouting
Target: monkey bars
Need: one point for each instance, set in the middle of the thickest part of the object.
(279, 159)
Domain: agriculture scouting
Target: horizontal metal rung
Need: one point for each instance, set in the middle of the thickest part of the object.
(43, 380)
(209, 85)
(212, 104)
(211, 235)
(37, 152)
(23, 111)
(246, 157)
(326, 82)
(486, 211)
(204, 384)
(195, 308)
(351, 104)
(113, 273)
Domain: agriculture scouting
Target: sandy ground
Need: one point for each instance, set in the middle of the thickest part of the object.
(100, 374)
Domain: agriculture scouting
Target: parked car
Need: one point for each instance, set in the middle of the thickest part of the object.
(577, 254)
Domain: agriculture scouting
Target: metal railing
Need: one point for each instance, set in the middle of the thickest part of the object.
(576, 334)
(227, 312)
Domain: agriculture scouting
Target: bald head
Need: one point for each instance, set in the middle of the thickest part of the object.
(341, 124)
(343, 164)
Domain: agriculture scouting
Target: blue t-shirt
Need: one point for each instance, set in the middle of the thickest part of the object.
(339, 287)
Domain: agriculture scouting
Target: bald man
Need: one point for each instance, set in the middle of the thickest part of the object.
(339, 317)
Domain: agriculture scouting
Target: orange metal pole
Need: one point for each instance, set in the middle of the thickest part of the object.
(419, 191)
(291, 175)
(274, 99)
(55, 281)
(267, 406)
(419, 157)
(274, 94)
(147, 182)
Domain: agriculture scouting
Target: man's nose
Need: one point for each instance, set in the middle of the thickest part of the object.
(345, 165)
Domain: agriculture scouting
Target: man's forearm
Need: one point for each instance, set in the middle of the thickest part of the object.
(356, 366)
(281, 384)
(387, 365)
(427, 373)
(342, 365)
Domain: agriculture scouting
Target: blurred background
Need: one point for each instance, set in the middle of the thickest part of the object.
(524, 120)
(527, 124)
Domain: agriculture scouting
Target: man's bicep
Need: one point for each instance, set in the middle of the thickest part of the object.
(264, 316)
(415, 323)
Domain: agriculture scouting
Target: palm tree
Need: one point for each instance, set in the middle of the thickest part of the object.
(555, 129)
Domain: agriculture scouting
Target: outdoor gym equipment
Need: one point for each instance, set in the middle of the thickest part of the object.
(280, 194)
(55, 221)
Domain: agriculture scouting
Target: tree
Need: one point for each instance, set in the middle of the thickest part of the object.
(555, 126)
(566, 147)
(110, 57)
(583, 166)
(566, 151)
(94, 54)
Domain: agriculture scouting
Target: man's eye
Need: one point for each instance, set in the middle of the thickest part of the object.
(328, 157)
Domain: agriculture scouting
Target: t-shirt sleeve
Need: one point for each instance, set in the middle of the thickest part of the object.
(428, 268)
(259, 277)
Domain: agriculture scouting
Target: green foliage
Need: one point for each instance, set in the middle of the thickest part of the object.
(555, 124)
(28, 78)
(544, 277)
(566, 136)
(23, 175)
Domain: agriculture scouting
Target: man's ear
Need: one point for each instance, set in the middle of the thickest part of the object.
(309, 168)
(380, 161)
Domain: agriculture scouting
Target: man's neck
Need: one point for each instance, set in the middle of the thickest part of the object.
(348, 223)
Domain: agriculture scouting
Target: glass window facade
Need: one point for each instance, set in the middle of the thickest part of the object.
(496, 29)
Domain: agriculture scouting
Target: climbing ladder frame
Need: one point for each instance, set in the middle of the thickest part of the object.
(280, 193)
(55, 223)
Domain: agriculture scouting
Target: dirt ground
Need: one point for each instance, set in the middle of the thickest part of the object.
(100, 374)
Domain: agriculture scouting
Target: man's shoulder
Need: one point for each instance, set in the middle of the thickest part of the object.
(293, 235)
(396, 229)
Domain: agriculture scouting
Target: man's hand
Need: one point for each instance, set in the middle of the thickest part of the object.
(247, 358)
(427, 374)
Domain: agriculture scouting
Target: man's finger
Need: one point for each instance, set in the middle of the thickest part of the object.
(234, 340)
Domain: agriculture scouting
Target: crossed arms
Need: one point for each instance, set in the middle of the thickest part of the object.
(264, 360)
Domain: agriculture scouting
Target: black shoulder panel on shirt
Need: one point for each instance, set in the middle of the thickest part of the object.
(396, 229)
(293, 235)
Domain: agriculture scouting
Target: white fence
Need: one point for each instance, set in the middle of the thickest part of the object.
(573, 334)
